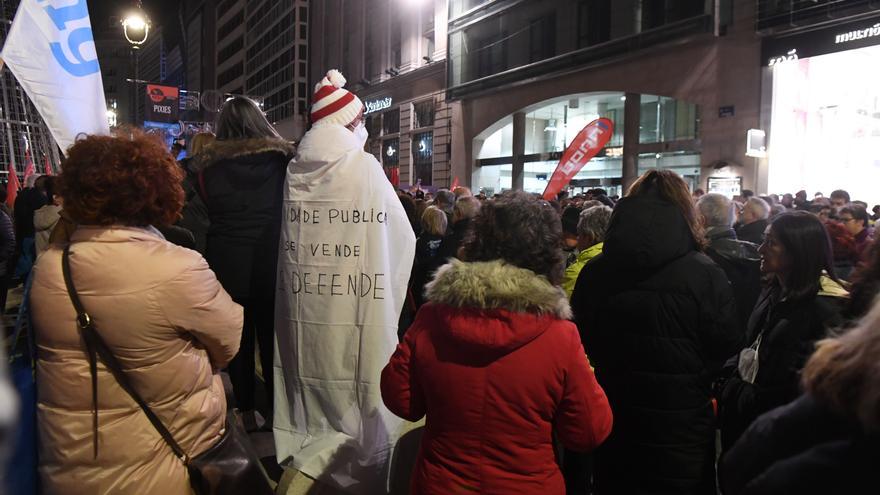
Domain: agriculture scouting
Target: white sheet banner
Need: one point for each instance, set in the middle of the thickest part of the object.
(51, 51)
(345, 259)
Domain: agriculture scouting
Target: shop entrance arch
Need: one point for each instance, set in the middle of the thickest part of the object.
(668, 138)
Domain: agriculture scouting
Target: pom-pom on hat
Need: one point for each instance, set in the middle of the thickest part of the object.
(331, 103)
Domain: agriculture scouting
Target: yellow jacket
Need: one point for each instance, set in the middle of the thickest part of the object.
(573, 270)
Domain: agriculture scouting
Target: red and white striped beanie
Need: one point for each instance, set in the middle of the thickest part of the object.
(331, 103)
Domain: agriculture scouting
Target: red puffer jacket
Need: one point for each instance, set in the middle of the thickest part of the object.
(497, 368)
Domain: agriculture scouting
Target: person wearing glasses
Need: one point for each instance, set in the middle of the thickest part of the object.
(802, 301)
(753, 220)
(856, 219)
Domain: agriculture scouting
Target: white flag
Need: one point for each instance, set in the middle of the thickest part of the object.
(51, 50)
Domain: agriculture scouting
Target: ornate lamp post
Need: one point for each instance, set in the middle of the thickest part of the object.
(136, 28)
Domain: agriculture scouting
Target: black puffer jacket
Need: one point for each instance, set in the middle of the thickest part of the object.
(742, 265)
(789, 332)
(241, 182)
(657, 320)
(802, 448)
(752, 232)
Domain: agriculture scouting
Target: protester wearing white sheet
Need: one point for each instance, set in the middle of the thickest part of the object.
(345, 258)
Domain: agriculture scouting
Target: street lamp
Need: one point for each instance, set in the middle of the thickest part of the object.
(136, 28)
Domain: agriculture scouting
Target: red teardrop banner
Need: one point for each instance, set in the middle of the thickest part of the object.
(585, 146)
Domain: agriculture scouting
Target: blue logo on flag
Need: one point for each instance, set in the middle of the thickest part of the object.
(75, 39)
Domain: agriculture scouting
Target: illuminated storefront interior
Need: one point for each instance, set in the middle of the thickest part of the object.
(551, 125)
(825, 125)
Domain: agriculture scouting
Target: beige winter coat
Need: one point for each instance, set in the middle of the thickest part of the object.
(172, 326)
(45, 220)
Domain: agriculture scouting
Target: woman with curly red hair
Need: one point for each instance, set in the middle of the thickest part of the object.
(160, 310)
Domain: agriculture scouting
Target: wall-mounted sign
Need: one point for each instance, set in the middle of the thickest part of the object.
(756, 143)
(728, 186)
(377, 104)
(726, 111)
(614, 151)
(162, 103)
(848, 36)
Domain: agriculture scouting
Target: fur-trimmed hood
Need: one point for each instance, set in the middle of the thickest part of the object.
(238, 148)
(493, 306)
(496, 285)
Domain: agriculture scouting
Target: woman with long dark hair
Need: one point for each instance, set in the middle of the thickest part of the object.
(802, 300)
(827, 440)
(657, 318)
(240, 178)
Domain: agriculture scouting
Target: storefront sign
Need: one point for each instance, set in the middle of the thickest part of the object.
(791, 56)
(376, 105)
(858, 34)
(162, 103)
(837, 38)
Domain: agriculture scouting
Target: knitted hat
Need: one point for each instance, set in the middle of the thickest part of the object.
(331, 103)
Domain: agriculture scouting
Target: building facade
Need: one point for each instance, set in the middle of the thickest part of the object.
(262, 52)
(393, 54)
(675, 77)
(521, 78)
(117, 73)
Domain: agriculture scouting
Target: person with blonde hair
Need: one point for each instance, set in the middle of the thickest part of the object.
(194, 216)
(429, 256)
(200, 141)
(827, 440)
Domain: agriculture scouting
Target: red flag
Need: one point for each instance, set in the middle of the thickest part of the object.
(28, 165)
(585, 146)
(454, 184)
(395, 176)
(48, 166)
(12, 187)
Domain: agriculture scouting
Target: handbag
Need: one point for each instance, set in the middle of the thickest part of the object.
(230, 466)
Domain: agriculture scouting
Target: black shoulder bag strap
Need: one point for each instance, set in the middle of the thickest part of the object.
(95, 346)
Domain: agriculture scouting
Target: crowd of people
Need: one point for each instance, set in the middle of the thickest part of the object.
(698, 313)
(667, 341)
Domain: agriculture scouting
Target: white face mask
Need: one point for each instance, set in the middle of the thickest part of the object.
(360, 132)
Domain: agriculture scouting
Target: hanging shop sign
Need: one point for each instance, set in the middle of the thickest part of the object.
(585, 146)
(162, 103)
(728, 186)
(377, 105)
(844, 36)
